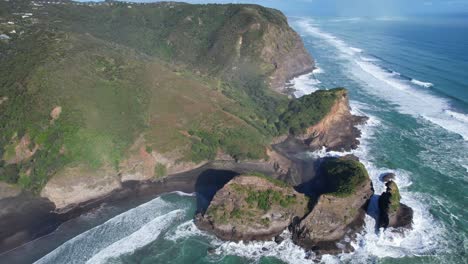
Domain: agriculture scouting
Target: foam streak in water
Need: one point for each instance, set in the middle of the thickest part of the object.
(84, 246)
(391, 87)
(139, 239)
(304, 84)
(423, 84)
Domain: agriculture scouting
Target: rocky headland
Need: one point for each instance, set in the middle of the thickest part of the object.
(188, 107)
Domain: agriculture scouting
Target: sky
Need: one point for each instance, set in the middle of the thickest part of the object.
(355, 7)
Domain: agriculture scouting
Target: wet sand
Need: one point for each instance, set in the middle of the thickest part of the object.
(26, 217)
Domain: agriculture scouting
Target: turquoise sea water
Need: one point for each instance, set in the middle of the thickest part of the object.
(410, 76)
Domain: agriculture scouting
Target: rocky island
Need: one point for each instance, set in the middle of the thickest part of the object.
(103, 102)
(253, 207)
(260, 208)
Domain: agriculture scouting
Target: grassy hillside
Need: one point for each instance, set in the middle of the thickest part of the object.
(79, 85)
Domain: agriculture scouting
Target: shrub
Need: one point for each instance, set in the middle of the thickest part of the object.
(160, 170)
(344, 175)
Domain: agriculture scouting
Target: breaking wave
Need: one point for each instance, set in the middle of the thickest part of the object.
(423, 84)
(120, 235)
(391, 86)
(304, 84)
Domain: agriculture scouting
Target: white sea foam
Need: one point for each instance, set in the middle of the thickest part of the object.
(317, 70)
(457, 115)
(388, 86)
(185, 230)
(346, 19)
(369, 59)
(84, 246)
(142, 237)
(304, 84)
(357, 50)
(423, 84)
(185, 194)
(390, 18)
(426, 237)
(286, 251)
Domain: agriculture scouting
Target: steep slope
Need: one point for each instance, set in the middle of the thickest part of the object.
(234, 41)
(340, 210)
(136, 93)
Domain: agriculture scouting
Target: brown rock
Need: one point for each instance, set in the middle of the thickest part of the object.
(388, 177)
(392, 212)
(252, 208)
(332, 218)
(337, 131)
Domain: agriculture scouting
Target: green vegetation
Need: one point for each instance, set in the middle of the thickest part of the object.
(344, 174)
(248, 203)
(264, 200)
(308, 110)
(394, 196)
(276, 182)
(220, 214)
(171, 74)
(160, 170)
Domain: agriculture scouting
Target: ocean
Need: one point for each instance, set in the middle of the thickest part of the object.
(410, 77)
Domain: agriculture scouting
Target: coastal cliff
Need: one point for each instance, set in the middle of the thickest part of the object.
(340, 211)
(203, 87)
(337, 131)
(159, 107)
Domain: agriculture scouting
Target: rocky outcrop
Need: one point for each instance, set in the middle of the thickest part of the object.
(259, 39)
(75, 185)
(386, 177)
(337, 131)
(289, 58)
(142, 163)
(337, 213)
(252, 208)
(19, 150)
(392, 213)
(257, 208)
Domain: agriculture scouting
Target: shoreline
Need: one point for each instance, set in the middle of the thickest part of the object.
(34, 217)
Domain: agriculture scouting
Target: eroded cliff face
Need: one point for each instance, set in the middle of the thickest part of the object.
(252, 208)
(332, 218)
(289, 58)
(393, 213)
(337, 131)
(259, 40)
(74, 185)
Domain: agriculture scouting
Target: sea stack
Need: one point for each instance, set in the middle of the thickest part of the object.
(392, 212)
(340, 211)
(252, 208)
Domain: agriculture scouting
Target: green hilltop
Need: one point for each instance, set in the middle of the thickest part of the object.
(80, 85)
